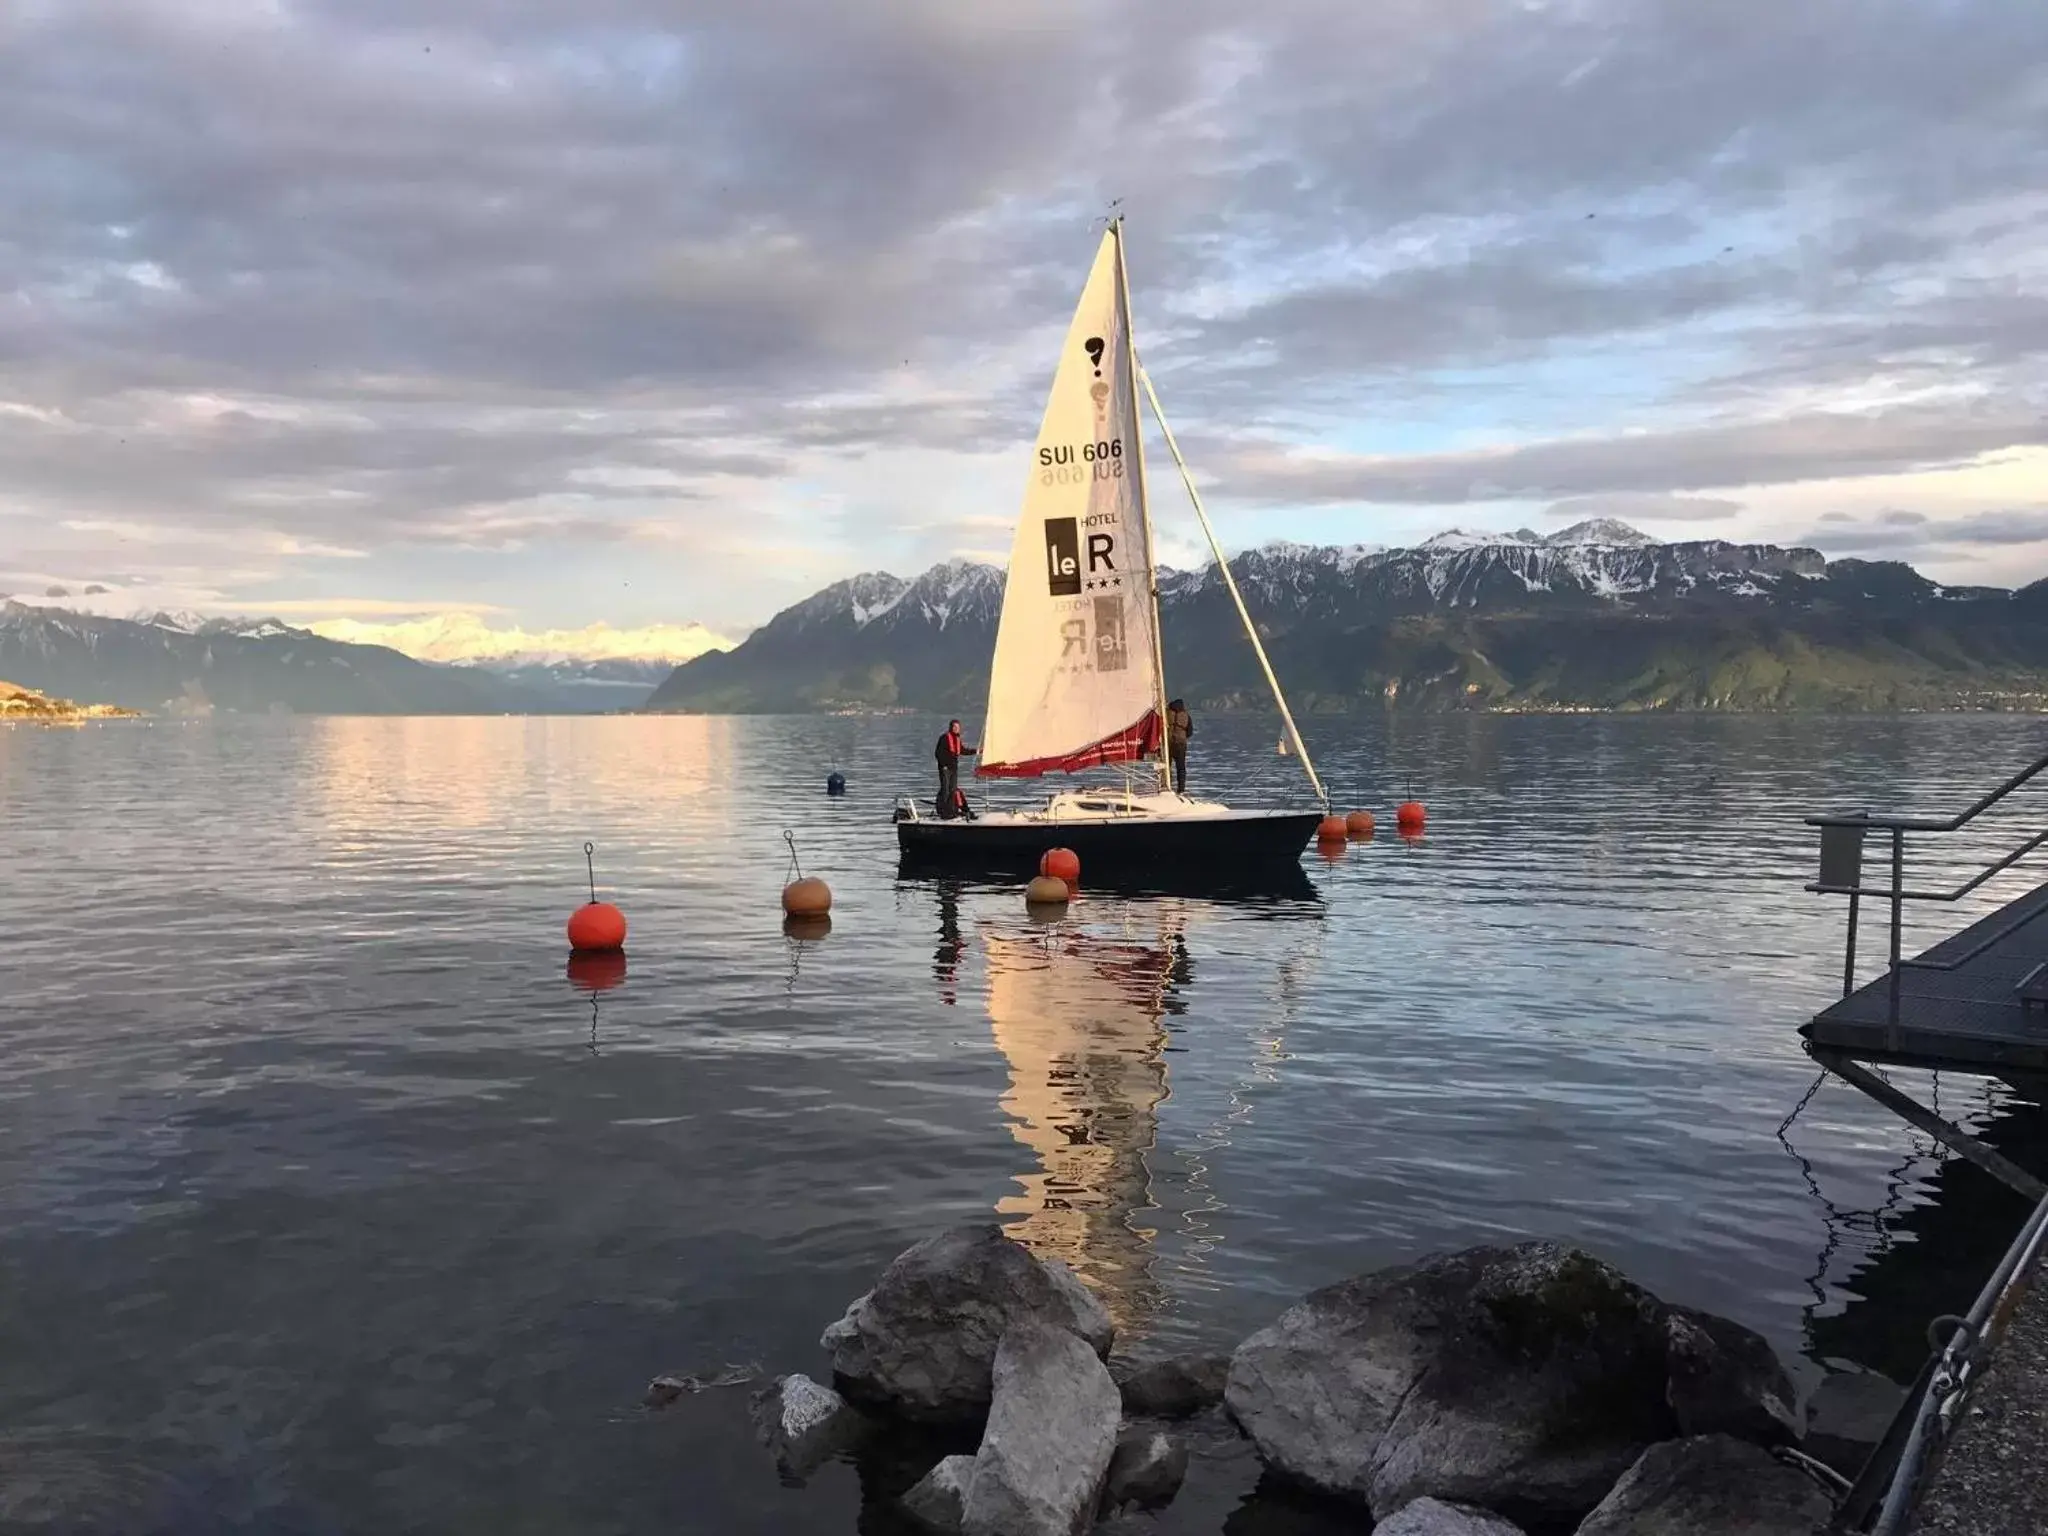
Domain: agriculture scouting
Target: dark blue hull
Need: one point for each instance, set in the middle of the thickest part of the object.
(1150, 851)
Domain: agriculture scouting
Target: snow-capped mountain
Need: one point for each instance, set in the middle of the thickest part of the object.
(956, 592)
(1598, 613)
(470, 638)
(187, 664)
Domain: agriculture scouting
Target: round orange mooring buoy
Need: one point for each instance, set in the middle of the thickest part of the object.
(1332, 830)
(807, 897)
(1047, 890)
(1409, 816)
(597, 926)
(1061, 864)
(1359, 824)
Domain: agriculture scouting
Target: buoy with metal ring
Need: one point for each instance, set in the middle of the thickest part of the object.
(805, 895)
(597, 926)
(1359, 825)
(1061, 864)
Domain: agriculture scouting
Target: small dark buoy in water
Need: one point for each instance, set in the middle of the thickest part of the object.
(1332, 830)
(596, 926)
(1061, 864)
(835, 783)
(1409, 816)
(1359, 825)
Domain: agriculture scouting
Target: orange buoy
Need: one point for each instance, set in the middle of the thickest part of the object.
(1061, 864)
(1409, 816)
(808, 897)
(596, 970)
(597, 926)
(1332, 830)
(1359, 824)
(1047, 890)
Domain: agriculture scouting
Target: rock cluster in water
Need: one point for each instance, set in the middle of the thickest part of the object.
(1497, 1391)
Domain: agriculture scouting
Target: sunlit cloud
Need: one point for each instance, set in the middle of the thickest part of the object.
(657, 316)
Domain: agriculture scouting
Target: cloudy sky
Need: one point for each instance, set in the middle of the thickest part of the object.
(659, 311)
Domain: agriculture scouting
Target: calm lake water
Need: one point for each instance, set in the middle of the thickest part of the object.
(330, 1201)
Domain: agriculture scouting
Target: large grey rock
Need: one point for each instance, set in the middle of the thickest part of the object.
(1523, 1380)
(1725, 1380)
(923, 1342)
(1433, 1517)
(1090, 1316)
(1145, 1470)
(1051, 1431)
(1173, 1388)
(1711, 1485)
(939, 1501)
(804, 1424)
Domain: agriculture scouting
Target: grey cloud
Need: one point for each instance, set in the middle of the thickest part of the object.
(1907, 532)
(1808, 446)
(2018, 526)
(487, 247)
(1642, 507)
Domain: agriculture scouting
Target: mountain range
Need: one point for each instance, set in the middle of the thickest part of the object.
(1597, 616)
(182, 663)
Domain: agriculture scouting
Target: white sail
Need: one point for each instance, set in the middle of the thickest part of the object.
(1076, 675)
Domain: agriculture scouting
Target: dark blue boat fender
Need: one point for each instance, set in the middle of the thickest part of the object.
(835, 783)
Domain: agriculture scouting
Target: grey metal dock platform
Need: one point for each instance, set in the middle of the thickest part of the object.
(1975, 1002)
(1959, 1004)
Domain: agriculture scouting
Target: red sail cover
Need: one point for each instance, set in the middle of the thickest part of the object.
(1128, 745)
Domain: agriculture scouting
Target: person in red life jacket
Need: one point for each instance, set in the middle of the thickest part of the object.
(949, 752)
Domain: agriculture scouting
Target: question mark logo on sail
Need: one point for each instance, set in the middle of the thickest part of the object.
(1093, 347)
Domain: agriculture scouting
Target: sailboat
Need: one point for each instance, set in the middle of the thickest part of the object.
(1078, 682)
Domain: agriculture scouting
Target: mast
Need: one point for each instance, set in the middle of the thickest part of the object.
(1230, 581)
(1123, 298)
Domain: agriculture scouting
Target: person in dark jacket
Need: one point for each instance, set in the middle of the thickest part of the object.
(1180, 725)
(949, 751)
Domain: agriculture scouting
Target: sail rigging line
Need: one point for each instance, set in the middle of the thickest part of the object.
(1123, 276)
(1230, 581)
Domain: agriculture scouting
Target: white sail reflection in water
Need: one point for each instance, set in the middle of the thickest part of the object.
(1079, 1017)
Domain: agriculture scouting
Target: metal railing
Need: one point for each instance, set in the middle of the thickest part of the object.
(1841, 874)
(1888, 1489)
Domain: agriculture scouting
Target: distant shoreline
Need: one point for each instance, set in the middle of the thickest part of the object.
(30, 706)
